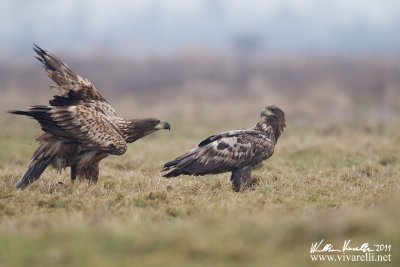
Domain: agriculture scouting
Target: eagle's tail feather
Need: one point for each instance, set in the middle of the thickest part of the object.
(43, 115)
(175, 166)
(37, 112)
(186, 164)
(170, 164)
(173, 173)
(35, 169)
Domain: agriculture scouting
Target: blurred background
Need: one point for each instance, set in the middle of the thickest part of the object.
(325, 61)
(208, 66)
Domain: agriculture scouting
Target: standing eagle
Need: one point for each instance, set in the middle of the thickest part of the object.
(233, 151)
(80, 126)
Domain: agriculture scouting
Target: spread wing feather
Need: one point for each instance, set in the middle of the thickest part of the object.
(78, 112)
(222, 153)
(65, 78)
(71, 88)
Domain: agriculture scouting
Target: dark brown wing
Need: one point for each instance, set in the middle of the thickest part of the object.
(90, 127)
(66, 79)
(222, 153)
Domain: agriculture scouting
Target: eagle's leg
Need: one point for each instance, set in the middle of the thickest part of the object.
(90, 171)
(241, 178)
(73, 173)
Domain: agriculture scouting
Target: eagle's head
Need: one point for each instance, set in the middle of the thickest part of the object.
(275, 117)
(140, 128)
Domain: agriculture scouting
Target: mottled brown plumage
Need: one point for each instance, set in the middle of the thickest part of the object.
(234, 151)
(80, 126)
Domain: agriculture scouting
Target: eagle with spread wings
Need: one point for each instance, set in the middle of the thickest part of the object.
(233, 151)
(80, 126)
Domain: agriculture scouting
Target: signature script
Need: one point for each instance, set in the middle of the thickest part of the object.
(328, 247)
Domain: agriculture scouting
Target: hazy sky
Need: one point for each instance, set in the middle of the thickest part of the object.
(162, 26)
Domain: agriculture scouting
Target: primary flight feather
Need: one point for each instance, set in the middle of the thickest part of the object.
(80, 126)
(233, 151)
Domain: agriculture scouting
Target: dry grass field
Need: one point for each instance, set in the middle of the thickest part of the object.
(332, 182)
(334, 174)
